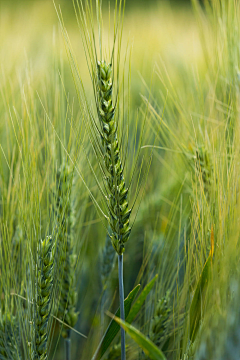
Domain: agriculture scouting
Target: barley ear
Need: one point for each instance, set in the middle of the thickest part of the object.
(44, 292)
(118, 193)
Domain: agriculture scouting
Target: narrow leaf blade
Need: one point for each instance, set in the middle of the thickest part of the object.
(113, 327)
(198, 299)
(145, 343)
(138, 304)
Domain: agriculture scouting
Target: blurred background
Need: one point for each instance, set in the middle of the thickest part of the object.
(164, 40)
(163, 37)
(184, 81)
(156, 31)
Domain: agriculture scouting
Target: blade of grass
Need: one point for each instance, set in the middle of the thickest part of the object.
(113, 327)
(138, 304)
(147, 345)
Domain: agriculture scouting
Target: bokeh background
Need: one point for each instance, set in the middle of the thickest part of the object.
(164, 40)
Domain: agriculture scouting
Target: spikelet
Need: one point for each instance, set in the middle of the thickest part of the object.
(118, 193)
(44, 294)
(158, 324)
(65, 213)
(9, 337)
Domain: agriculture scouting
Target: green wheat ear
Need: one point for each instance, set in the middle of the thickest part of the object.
(118, 193)
(9, 337)
(44, 294)
(158, 324)
(67, 311)
(68, 296)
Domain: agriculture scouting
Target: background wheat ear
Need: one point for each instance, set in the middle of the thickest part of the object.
(44, 293)
(66, 253)
(9, 337)
(159, 322)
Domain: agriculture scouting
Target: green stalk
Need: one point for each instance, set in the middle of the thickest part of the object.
(67, 341)
(107, 264)
(121, 298)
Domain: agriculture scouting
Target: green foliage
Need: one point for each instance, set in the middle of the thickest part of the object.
(140, 300)
(148, 347)
(103, 128)
(220, 335)
(114, 328)
(197, 304)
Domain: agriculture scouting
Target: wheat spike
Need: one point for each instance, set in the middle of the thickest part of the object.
(158, 324)
(68, 298)
(65, 213)
(118, 193)
(44, 292)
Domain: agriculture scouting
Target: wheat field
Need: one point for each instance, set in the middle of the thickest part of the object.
(119, 179)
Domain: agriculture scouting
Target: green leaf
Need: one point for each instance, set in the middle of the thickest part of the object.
(138, 304)
(198, 299)
(113, 327)
(150, 349)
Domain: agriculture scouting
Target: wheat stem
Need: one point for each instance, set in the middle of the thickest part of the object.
(108, 259)
(121, 298)
(68, 345)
